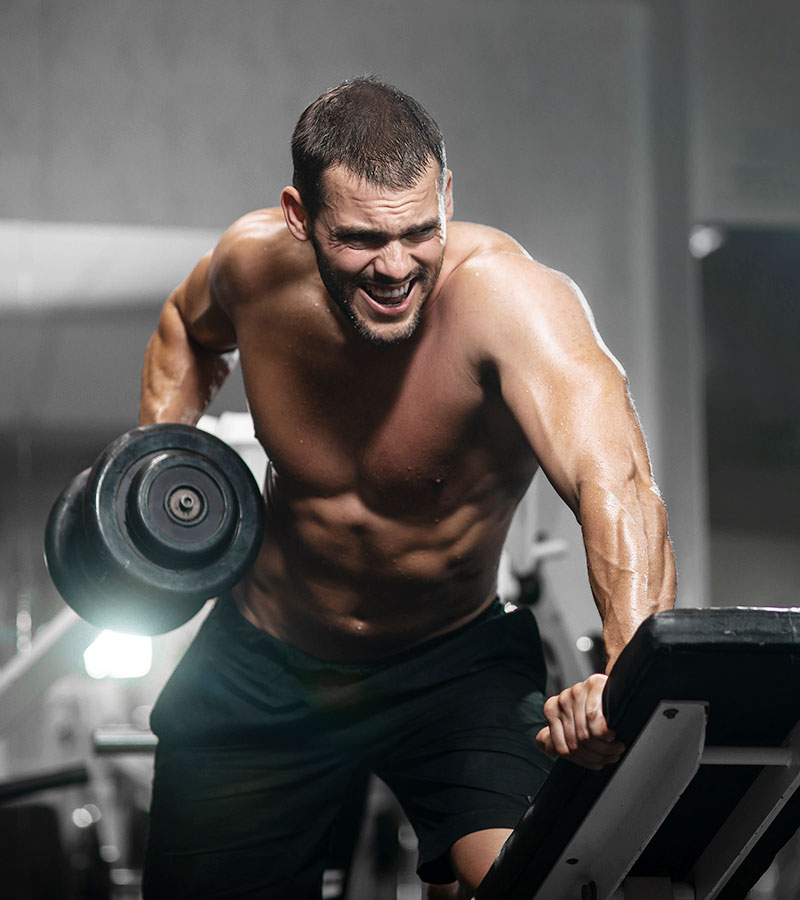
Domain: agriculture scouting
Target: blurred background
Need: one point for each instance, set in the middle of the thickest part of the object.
(648, 148)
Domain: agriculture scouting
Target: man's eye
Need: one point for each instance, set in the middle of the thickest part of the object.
(362, 241)
(419, 236)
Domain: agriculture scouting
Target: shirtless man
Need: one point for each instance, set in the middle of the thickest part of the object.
(407, 376)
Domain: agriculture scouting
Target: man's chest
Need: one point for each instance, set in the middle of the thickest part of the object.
(413, 431)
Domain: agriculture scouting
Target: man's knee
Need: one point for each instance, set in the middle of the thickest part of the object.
(472, 856)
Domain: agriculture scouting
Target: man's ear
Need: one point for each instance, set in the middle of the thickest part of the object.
(448, 196)
(297, 219)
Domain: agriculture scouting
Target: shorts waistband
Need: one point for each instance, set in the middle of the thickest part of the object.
(227, 614)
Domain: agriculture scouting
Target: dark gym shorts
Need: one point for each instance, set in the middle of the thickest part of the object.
(260, 743)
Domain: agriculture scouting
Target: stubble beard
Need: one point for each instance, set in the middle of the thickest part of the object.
(343, 292)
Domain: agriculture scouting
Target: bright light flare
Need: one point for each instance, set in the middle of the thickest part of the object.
(114, 655)
(705, 239)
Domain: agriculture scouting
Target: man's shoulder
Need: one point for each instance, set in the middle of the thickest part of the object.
(484, 261)
(258, 224)
(256, 251)
(468, 239)
(511, 309)
(504, 303)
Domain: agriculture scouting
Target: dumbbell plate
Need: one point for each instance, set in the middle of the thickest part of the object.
(167, 518)
(94, 593)
(63, 541)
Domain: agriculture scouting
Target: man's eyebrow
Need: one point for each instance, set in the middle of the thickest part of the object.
(358, 234)
(430, 225)
(367, 234)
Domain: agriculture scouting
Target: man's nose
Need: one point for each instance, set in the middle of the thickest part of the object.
(393, 262)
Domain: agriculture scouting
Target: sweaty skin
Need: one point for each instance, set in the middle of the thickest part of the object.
(395, 468)
(403, 427)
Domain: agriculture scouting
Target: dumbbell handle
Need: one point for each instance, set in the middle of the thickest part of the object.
(123, 740)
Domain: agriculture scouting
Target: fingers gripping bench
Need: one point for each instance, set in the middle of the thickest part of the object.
(707, 702)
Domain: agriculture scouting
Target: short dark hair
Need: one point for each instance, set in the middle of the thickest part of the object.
(372, 129)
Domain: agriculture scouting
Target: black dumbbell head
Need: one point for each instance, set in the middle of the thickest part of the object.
(168, 517)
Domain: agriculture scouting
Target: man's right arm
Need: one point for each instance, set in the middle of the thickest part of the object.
(189, 356)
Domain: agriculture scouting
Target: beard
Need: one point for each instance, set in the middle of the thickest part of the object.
(343, 292)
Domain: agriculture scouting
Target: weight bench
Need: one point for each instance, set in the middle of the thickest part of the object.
(707, 702)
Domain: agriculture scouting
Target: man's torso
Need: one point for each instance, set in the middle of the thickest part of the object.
(394, 470)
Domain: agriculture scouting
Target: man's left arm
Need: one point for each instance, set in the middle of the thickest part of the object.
(571, 398)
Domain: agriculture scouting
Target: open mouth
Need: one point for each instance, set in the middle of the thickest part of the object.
(388, 299)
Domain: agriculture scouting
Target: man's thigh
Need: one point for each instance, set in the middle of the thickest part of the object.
(249, 774)
(472, 767)
(239, 822)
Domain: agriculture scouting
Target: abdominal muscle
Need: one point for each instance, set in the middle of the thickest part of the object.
(345, 583)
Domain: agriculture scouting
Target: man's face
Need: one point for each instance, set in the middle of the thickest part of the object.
(380, 251)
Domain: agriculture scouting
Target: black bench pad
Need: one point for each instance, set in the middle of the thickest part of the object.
(745, 664)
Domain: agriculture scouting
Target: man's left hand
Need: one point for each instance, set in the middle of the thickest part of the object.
(577, 729)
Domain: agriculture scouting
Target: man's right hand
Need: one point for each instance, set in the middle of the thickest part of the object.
(577, 729)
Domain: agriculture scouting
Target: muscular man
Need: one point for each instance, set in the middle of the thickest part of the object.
(407, 376)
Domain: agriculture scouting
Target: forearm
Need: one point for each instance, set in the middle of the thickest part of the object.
(179, 377)
(629, 556)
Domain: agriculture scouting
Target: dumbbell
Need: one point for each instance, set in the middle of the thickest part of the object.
(168, 517)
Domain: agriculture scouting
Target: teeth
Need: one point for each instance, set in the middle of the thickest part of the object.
(382, 293)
